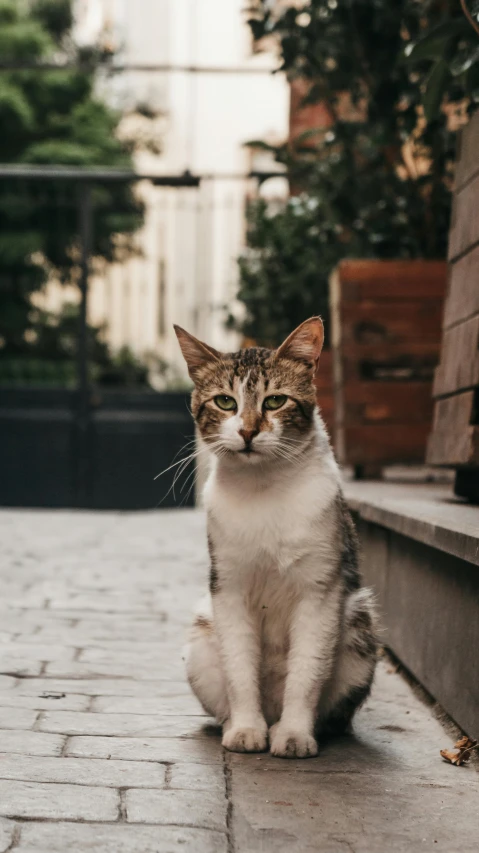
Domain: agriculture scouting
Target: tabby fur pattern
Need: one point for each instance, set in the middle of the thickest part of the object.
(283, 648)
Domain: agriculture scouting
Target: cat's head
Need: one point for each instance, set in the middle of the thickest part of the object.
(255, 404)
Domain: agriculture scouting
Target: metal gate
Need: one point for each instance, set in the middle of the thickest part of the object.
(89, 446)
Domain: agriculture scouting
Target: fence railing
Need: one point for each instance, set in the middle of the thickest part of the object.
(79, 446)
(87, 445)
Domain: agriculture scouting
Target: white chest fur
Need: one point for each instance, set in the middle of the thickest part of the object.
(270, 521)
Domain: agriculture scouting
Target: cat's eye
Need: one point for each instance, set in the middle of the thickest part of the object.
(228, 404)
(274, 401)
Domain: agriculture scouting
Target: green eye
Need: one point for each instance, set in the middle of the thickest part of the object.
(275, 401)
(228, 404)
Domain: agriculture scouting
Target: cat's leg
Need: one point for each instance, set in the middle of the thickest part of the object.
(351, 680)
(314, 631)
(246, 729)
(203, 664)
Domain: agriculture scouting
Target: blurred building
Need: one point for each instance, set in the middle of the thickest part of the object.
(199, 121)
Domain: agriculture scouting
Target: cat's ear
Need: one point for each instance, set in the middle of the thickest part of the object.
(195, 353)
(305, 343)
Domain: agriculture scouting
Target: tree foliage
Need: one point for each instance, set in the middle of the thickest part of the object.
(448, 58)
(379, 175)
(52, 359)
(51, 117)
(279, 271)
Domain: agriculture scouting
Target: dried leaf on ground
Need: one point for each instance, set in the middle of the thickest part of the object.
(465, 746)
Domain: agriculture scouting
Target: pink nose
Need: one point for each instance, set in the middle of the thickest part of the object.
(248, 435)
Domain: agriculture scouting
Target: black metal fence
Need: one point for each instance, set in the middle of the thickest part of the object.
(87, 446)
(107, 458)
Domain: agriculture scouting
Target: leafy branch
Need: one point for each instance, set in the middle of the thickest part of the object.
(375, 182)
(449, 51)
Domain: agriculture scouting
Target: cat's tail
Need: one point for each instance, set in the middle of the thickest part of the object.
(203, 664)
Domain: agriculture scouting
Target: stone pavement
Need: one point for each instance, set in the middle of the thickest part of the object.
(102, 747)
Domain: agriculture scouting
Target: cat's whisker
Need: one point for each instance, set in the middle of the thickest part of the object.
(174, 465)
(280, 453)
(221, 452)
(188, 478)
(286, 458)
(294, 442)
(293, 451)
(186, 497)
(178, 473)
(188, 446)
(277, 453)
(182, 464)
(190, 456)
(182, 468)
(195, 473)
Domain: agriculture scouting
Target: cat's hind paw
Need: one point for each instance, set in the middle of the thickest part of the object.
(288, 743)
(246, 739)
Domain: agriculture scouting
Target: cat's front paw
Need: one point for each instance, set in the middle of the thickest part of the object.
(246, 738)
(287, 742)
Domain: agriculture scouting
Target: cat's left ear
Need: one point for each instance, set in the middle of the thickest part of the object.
(305, 343)
(195, 352)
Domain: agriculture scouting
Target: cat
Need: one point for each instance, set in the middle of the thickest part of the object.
(283, 649)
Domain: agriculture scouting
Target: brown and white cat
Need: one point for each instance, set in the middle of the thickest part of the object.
(283, 649)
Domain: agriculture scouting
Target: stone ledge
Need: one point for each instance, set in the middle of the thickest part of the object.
(427, 513)
(419, 553)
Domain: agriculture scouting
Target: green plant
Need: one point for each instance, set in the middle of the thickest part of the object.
(124, 369)
(49, 355)
(52, 117)
(448, 59)
(279, 281)
(378, 178)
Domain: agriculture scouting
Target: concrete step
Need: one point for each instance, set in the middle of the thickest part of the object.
(420, 553)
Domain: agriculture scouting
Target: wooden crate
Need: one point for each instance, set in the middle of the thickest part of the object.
(386, 330)
(454, 440)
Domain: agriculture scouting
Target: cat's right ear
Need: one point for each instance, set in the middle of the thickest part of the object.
(305, 343)
(195, 352)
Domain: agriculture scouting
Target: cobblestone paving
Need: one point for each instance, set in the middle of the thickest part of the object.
(102, 747)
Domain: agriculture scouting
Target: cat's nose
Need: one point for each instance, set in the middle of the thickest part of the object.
(247, 435)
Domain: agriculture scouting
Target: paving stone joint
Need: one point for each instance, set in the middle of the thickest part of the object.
(104, 749)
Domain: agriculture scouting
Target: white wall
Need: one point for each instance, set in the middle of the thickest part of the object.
(191, 237)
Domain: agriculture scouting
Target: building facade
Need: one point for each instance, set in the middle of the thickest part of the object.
(211, 94)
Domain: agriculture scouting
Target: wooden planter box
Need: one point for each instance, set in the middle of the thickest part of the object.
(454, 440)
(386, 332)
